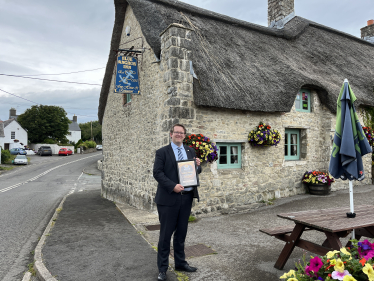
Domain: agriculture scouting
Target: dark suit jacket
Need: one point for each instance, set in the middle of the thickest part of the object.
(165, 172)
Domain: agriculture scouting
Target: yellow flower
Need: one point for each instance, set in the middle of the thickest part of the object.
(339, 266)
(288, 274)
(193, 142)
(368, 270)
(345, 252)
(330, 254)
(333, 261)
(292, 279)
(349, 278)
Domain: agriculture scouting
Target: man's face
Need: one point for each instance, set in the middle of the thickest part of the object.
(178, 135)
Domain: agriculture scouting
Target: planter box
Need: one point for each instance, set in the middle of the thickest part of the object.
(319, 189)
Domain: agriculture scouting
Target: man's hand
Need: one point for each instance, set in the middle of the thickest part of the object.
(197, 161)
(178, 188)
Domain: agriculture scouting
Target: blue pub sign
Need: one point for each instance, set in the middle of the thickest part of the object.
(127, 78)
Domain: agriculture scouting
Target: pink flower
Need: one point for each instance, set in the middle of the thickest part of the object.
(339, 275)
(308, 271)
(315, 264)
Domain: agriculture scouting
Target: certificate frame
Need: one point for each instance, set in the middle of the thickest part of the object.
(187, 173)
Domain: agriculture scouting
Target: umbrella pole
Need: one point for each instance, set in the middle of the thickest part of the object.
(351, 204)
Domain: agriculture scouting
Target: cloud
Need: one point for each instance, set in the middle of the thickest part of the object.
(83, 103)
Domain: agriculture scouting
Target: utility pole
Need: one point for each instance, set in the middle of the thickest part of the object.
(91, 131)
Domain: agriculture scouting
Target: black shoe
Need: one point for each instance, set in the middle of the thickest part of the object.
(161, 276)
(186, 267)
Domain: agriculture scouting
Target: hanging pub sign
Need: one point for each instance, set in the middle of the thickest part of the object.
(127, 78)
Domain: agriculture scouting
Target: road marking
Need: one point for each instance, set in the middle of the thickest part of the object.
(44, 173)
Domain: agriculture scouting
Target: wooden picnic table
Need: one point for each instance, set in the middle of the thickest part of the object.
(333, 222)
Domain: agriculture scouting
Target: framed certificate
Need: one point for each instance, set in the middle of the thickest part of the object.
(187, 173)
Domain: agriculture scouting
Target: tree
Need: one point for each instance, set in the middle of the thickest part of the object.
(45, 122)
(86, 131)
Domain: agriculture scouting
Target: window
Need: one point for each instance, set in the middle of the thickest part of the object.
(12, 135)
(229, 155)
(126, 98)
(302, 102)
(292, 144)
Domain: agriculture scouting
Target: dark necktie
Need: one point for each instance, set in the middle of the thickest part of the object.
(180, 155)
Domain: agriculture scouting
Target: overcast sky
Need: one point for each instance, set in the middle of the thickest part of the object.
(54, 37)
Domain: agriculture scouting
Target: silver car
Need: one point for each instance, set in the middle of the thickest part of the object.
(20, 159)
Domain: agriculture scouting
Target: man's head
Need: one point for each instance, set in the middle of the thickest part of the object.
(177, 134)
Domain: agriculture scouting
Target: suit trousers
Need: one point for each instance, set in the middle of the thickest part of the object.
(173, 219)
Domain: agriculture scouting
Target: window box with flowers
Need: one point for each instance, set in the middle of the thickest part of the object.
(16, 140)
(319, 183)
(205, 150)
(262, 135)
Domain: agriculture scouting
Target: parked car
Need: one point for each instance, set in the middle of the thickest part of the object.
(20, 159)
(65, 151)
(45, 150)
(17, 151)
(99, 147)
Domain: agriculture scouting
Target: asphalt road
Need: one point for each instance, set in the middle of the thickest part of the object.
(28, 198)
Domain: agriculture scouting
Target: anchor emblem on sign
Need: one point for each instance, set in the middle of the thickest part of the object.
(128, 75)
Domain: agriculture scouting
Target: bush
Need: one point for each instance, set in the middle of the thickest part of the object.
(5, 156)
(49, 141)
(78, 144)
(90, 144)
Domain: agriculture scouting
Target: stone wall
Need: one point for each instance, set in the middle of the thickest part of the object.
(367, 31)
(132, 133)
(279, 9)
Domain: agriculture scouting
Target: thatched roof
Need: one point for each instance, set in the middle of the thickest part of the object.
(245, 66)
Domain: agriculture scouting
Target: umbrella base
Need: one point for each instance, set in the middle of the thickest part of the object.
(351, 215)
(319, 189)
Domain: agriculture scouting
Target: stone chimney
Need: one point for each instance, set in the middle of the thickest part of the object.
(280, 12)
(75, 118)
(12, 113)
(367, 32)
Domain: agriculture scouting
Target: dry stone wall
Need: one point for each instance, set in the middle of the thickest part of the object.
(132, 133)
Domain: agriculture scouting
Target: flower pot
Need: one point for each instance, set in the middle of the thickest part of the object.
(319, 189)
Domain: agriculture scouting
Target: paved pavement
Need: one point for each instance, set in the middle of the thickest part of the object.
(95, 239)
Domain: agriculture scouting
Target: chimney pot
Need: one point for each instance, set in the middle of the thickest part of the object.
(75, 118)
(370, 22)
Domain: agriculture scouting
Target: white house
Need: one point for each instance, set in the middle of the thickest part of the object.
(12, 134)
(74, 134)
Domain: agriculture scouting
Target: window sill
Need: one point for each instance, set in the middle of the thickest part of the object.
(291, 163)
(229, 170)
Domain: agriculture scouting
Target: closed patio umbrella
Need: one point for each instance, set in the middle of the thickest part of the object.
(350, 143)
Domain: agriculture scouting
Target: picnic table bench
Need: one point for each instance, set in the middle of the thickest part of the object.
(333, 222)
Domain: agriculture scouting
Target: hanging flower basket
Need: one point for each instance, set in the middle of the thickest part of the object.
(262, 135)
(205, 150)
(369, 135)
(16, 140)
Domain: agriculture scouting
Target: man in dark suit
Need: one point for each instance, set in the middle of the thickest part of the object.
(174, 202)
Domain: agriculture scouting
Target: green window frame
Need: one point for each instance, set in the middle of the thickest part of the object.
(128, 98)
(292, 144)
(302, 102)
(229, 155)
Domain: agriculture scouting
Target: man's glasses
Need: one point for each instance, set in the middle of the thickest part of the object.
(178, 133)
